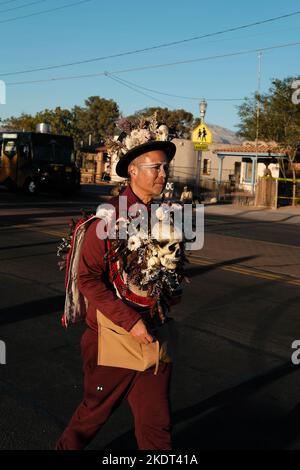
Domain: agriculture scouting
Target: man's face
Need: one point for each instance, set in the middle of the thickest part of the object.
(148, 173)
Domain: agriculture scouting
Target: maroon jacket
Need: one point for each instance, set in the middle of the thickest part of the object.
(93, 280)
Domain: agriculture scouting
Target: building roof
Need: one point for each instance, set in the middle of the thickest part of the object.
(262, 150)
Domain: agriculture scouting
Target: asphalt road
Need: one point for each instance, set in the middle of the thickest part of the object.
(253, 229)
(234, 385)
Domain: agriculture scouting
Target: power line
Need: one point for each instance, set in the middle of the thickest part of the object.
(191, 98)
(54, 79)
(121, 82)
(221, 56)
(44, 11)
(147, 67)
(23, 6)
(146, 49)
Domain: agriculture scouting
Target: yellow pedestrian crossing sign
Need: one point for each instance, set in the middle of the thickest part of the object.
(202, 135)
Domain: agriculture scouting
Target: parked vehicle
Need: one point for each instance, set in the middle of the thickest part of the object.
(37, 161)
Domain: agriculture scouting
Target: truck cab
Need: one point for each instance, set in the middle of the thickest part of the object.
(36, 161)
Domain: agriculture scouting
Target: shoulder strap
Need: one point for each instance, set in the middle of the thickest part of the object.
(75, 303)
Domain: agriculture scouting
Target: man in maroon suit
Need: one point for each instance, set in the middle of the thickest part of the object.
(146, 167)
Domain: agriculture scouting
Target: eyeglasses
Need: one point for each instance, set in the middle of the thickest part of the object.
(155, 167)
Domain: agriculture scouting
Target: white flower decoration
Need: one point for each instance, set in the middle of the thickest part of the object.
(134, 243)
(137, 137)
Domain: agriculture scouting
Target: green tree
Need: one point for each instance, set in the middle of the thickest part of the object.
(61, 120)
(179, 121)
(98, 117)
(278, 120)
(25, 123)
(279, 117)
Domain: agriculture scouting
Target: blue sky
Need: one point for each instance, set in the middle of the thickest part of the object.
(99, 28)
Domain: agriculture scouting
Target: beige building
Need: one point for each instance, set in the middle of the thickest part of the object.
(255, 160)
(224, 168)
(184, 165)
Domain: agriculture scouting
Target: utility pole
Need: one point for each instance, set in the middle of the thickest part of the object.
(254, 166)
(258, 94)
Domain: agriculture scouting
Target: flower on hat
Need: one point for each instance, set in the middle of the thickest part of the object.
(135, 133)
(137, 137)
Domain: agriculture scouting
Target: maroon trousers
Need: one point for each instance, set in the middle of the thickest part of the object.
(105, 388)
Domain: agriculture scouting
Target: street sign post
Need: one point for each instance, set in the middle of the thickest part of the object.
(201, 138)
(202, 135)
(200, 146)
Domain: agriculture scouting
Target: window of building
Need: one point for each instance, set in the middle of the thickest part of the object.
(248, 172)
(206, 166)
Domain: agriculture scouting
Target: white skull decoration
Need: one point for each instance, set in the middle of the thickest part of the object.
(167, 251)
(163, 132)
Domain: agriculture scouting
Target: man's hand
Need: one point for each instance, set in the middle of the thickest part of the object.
(140, 333)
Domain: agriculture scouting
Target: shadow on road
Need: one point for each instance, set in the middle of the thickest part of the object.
(32, 309)
(27, 245)
(232, 420)
(193, 270)
(51, 304)
(33, 218)
(239, 218)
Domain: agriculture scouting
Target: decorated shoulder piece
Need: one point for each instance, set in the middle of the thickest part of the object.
(146, 268)
(69, 251)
